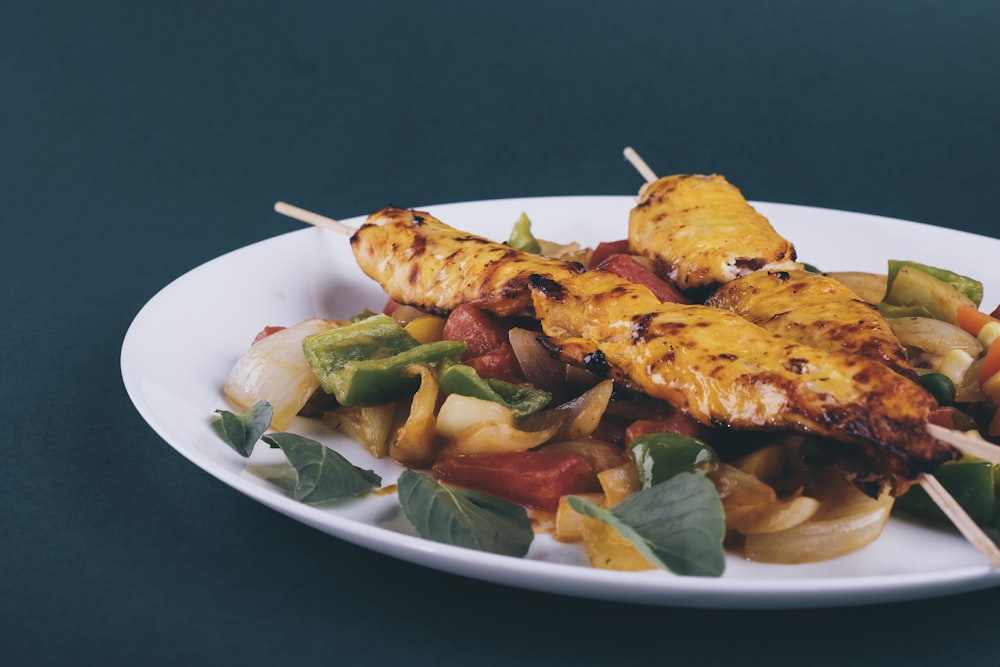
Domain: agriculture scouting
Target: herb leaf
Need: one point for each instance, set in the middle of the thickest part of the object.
(464, 518)
(677, 524)
(241, 432)
(323, 474)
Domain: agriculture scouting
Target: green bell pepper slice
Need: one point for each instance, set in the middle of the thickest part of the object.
(362, 363)
(522, 238)
(969, 287)
(969, 480)
(660, 456)
(463, 379)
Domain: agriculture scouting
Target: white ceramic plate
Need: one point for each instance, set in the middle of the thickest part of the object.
(178, 352)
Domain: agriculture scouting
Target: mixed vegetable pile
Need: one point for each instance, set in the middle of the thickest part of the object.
(499, 440)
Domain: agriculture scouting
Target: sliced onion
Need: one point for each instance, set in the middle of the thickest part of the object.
(618, 483)
(414, 443)
(927, 340)
(868, 287)
(475, 426)
(740, 488)
(583, 413)
(459, 413)
(570, 252)
(846, 521)
(274, 369)
(771, 517)
(538, 366)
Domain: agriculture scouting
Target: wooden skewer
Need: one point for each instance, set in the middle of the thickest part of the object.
(639, 164)
(966, 443)
(958, 516)
(316, 219)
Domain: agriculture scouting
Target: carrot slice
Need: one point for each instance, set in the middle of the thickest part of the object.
(991, 362)
(973, 320)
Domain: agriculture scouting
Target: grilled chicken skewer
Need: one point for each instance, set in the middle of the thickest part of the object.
(814, 310)
(677, 213)
(422, 262)
(723, 370)
(699, 231)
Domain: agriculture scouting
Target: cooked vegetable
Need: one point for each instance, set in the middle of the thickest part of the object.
(274, 369)
(970, 481)
(362, 364)
(913, 291)
(413, 444)
(474, 426)
(627, 267)
(677, 524)
(520, 400)
(531, 478)
(521, 236)
(970, 288)
(972, 320)
(870, 287)
(846, 521)
(928, 340)
(940, 386)
(660, 456)
(370, 425)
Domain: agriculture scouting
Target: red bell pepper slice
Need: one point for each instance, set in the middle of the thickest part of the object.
(531, 478)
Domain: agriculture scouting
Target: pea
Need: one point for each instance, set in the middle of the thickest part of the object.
(940, 386)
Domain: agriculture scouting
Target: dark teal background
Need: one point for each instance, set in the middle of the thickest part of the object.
(138, 140)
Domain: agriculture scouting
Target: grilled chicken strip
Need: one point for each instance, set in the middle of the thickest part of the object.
(814, 310)
(724, 370)
(701, 232)
(422, 262)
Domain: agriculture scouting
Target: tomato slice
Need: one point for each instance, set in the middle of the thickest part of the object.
(488, 343)
(532, 478)
(625, 266)
(606, 249)
(677, 422)
(265, 332)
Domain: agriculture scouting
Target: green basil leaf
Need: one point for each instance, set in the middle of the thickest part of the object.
(323, 474)
(241, 432)
(464, 518)
(677, 524)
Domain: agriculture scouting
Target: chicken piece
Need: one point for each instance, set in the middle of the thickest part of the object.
(422, 262)
(723, 370)
(701, 232)
(814, 310)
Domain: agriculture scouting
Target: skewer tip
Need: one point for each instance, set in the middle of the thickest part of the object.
(639, 164)
(311, 218)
